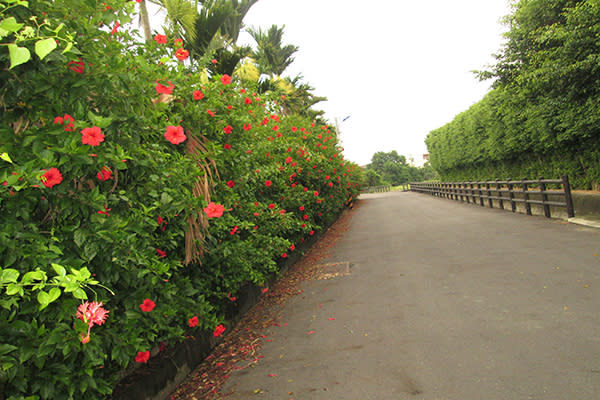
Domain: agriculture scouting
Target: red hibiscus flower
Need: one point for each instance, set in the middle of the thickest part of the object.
(142, 356)
(182, 54)
(247, 127)
(76, 66)
(284, 255)
(219, 330)
(227, 146)
(162, 89)
(178, 42)
(115, 28)
(92, 313)
(192, 322)
(211, 113)
(226, 79)
(268, 183)
(198, 95)
(214, 210)
(214, 61)
(231, 184)
(147, 306)
(174, 134)
(271, 206)
(228, 129)
(161, 253)
(52, 177)
(58, 121)
(92, 136)
(288, 160)
(301, 208)
(294, 129)
(160, 39)
(316, 193)
(234, 230)
(105, 174)
(247, 100)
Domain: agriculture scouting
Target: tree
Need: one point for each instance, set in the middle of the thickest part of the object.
(145, 21)
(271, 55)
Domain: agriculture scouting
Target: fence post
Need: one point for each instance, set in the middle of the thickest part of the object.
(526, 197)
(501, 202)
(568, 198)
(511, 195)
(544, 198)
(480, 194)
(489, 194)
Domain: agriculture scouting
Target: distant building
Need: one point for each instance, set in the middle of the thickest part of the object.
(417, 160)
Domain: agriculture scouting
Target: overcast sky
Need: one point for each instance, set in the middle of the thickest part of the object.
(398, 68)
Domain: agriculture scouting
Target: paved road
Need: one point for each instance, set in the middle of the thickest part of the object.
(445, 301)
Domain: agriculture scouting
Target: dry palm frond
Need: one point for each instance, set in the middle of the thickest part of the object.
(197, 224)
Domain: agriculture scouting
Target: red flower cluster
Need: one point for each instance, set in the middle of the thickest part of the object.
(52, 177)
(91, 313)
(142, 356)
(76, 66)
(160, 39)
(219, 330)
(105, 174)
(226, 79)
(198, 95)
(175, 134)
(92, 136)
(162, 89)
(182, 54)
(147, 306)
(214, 210)
(192, 322)
(66, 119)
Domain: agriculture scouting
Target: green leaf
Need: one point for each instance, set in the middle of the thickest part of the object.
(9, 275)
(32, 276)
(80, 294)
(84, 273)
(45, 298)
(44, 47)
(54, 294)
(100, 122)
(5, 157)
(18, 55)
(69, 46)
(55, 249)
(59, 269)
(6, 348)
(79, 237)
(8, 26)
(13, 289)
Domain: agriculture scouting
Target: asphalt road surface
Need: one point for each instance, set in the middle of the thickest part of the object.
(443, 301)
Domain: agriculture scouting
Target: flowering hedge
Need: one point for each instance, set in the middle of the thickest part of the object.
(138, 197)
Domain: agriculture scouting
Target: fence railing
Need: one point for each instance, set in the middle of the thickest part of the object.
(376, 189)
(525, 192)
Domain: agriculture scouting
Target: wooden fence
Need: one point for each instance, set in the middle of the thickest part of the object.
(526, 192)
(376, 189)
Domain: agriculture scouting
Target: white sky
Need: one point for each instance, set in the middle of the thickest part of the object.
(398, 68)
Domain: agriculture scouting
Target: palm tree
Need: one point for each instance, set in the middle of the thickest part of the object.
(271, 56)
(212, 28)
(145, 21)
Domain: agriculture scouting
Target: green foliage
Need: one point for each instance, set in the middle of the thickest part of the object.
(391, 168)
(542, 116)
(100, 230)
